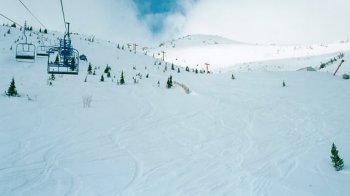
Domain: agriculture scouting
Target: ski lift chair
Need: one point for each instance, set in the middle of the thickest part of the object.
(63, 61)
(25, 52)
(42, 50)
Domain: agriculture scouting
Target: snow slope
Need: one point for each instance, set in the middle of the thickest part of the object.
(247, 136)
(196, 50)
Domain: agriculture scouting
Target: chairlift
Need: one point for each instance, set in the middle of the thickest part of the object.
(63, 59)
(25, 51)
(42, 50)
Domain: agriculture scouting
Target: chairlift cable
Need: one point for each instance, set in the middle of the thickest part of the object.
(32, 14)
(10, 20)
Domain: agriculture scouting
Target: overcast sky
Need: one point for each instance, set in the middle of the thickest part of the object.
(255, 21)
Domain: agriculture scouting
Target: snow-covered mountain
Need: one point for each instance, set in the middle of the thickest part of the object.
(197, 40)
(248, 136)
(222, 54)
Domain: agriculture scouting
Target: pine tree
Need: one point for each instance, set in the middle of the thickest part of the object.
(45, 31)
(122, 81)
(178, 70)
(89, 69)
(107, 69)
(187, 69)
(12, 92)
(108, 74)
(338, 163)
(57, 60)
(283, 84)
(169, 83)
(72, 64)
(102, 78)
(172, 66)
(233, 77)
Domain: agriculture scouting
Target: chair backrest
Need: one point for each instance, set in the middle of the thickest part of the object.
(25, 51)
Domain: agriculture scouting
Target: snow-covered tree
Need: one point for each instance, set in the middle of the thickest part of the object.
(338, 163)
(102, 78)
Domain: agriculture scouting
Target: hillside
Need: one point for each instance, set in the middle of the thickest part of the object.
(221, 53)
(248, 136)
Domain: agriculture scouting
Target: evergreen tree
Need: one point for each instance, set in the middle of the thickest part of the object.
(72, 64)
(89, 69)
(147, 76)
(45, 31)
(178, 70)
(172, 66)
(122, 81)
(169, 83)
(57, 60)
(187, 69)
(283, 84)
(108, 74)
(102, 78)
(12, 92)
(196, 71)
(40, 30)
(233, 77)
(107, 69)
(118, 46)
(338, 163)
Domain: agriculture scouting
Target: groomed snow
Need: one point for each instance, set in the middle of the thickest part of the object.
(247, 136)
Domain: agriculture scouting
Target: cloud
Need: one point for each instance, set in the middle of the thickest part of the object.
(268, 21)
(271, 21)
(108, 19)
